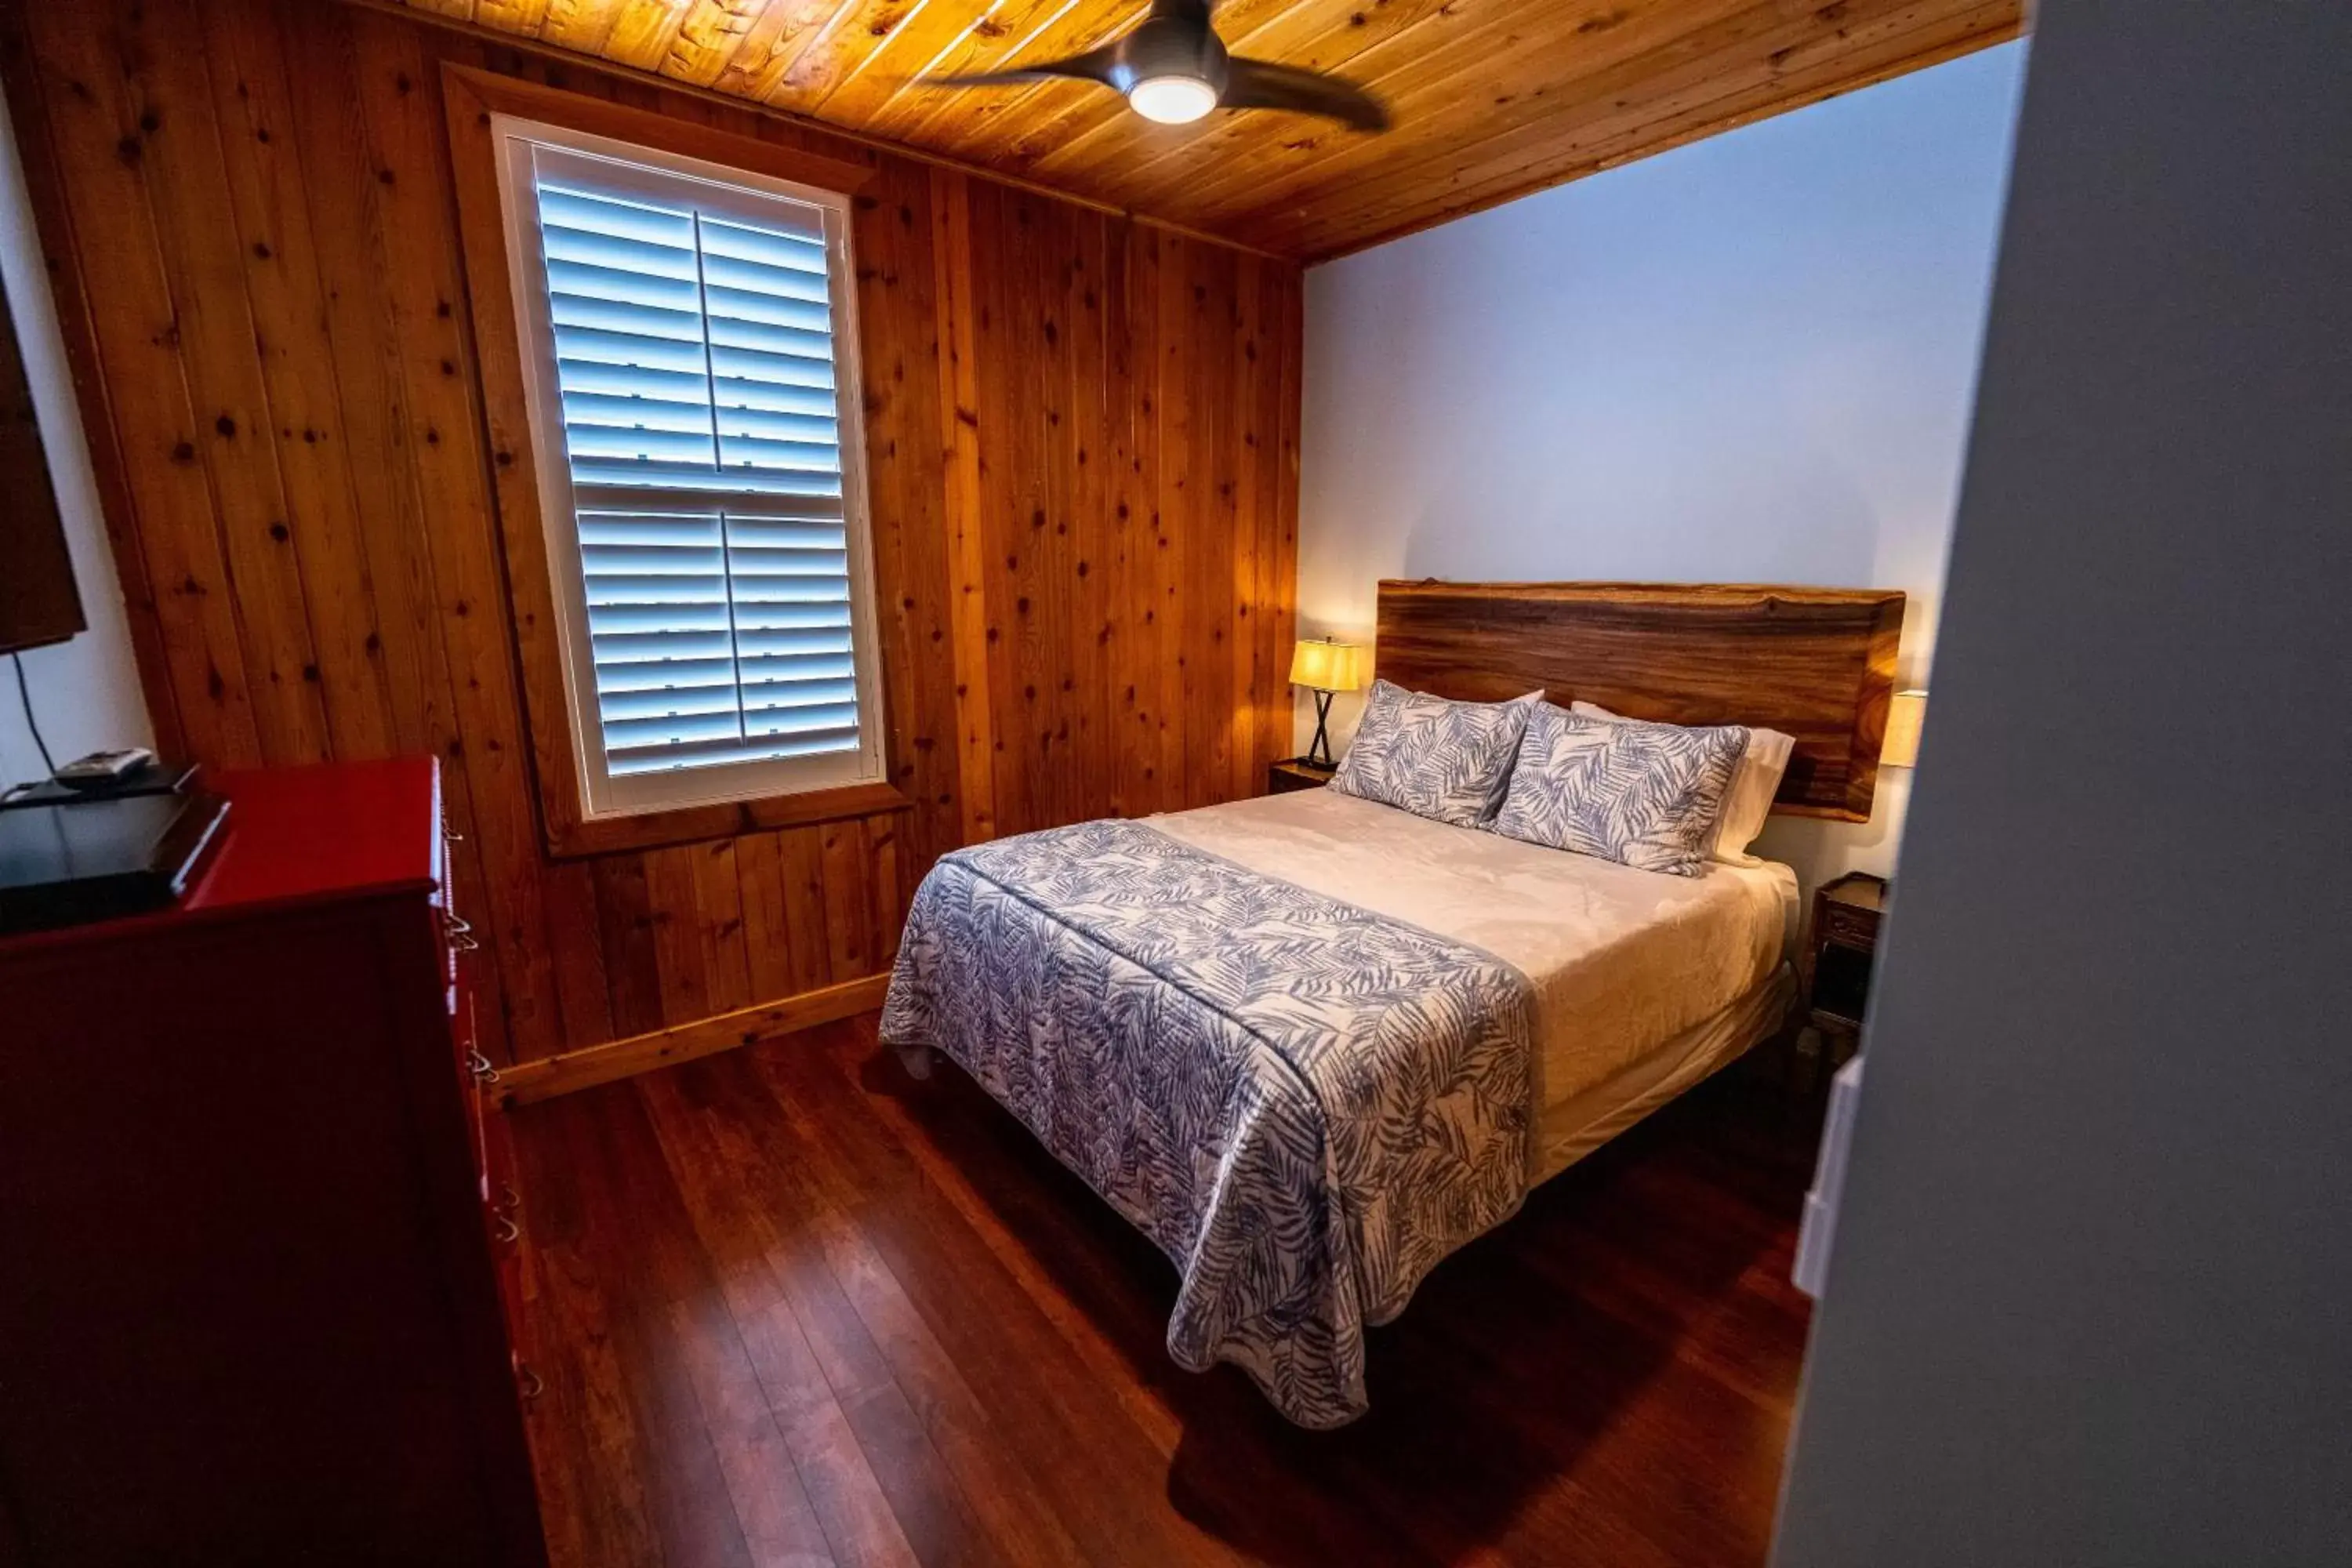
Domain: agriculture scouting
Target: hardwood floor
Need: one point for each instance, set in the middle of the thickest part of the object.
(790, 1306)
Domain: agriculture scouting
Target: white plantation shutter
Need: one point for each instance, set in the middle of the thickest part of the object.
(686, 333)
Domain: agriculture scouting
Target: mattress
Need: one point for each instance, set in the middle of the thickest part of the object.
(1643, 982)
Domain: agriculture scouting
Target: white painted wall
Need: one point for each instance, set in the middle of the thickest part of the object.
(1746, 359)
(86, 692)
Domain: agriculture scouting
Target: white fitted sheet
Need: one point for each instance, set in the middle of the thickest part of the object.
(1643, 982)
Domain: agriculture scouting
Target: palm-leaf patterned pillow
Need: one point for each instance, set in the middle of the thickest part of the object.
(1645, 796)
(1442, 760)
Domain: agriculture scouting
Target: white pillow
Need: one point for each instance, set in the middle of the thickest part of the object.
(1749, 801)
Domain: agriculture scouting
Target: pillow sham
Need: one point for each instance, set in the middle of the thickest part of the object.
(1436, 758)
(1645, 796)
(1749, 801)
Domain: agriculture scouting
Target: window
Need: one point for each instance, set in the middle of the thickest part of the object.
(688, 357)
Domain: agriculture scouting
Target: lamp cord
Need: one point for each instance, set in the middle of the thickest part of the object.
(24, 695)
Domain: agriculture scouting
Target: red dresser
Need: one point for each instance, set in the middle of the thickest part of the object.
(252, 1236)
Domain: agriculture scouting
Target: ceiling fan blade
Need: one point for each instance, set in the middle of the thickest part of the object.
(1261, 84)
(1092, 66)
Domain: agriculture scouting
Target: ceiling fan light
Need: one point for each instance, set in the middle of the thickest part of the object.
(1171, 100)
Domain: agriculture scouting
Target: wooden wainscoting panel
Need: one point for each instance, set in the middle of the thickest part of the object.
(448, 480)
(959, 434)
(274, 246)
(93, 134)
(550, 1076)
(1279, 732)
(212, 325)
(900, 320)
(1080, 437)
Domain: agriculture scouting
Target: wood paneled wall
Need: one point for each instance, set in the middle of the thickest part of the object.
(1082, 437)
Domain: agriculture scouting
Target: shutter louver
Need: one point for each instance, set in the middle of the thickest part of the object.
(695, 363)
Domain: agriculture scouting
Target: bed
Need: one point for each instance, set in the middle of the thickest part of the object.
(1310, 1045)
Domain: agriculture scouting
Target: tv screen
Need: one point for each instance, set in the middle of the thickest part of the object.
(38, 602)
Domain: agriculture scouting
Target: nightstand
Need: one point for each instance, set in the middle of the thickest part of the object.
(1296, 773)
(1839, 952)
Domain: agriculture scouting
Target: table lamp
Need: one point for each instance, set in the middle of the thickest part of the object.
(1324, 666)
(1905, 717)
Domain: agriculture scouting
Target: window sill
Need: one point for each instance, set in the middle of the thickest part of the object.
(692, 824)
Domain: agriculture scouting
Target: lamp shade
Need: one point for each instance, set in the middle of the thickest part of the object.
(1324, 666)
(1905, 716)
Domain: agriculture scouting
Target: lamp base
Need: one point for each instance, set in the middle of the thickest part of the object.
(1319, 752)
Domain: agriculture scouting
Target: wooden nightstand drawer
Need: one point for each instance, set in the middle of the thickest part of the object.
(1849, 927)
(1295, 773)
(1838, 957)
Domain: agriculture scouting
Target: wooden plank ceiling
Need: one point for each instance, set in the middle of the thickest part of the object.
(1493, 99)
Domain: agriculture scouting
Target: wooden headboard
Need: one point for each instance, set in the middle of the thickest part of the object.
(1814, 663)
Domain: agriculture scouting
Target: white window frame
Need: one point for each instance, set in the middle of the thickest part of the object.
(744, 195)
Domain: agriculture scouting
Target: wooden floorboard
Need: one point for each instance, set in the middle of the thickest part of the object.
(793, 1307)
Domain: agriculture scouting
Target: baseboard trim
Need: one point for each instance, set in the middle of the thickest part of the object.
(526, 1083)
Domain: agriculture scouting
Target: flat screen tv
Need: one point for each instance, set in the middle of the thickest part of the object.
(38, 602)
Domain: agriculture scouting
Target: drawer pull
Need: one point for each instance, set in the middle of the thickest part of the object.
(460, 934)
(527, 1382)
(480, 1066)
(505, 1229)
(508, 1197)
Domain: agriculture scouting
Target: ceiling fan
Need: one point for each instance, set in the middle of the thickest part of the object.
(1174, 69)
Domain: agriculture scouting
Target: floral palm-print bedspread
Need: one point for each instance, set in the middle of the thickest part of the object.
(1305, 1104)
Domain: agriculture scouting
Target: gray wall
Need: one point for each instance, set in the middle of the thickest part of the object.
(1748, 360)
(2092, 1297)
